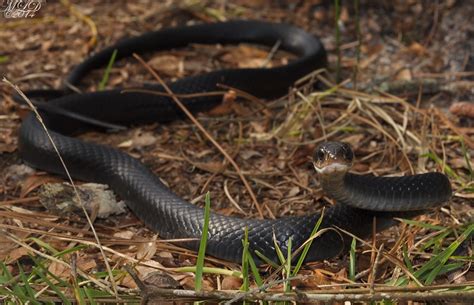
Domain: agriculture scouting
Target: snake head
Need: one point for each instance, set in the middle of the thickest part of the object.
(333, 157)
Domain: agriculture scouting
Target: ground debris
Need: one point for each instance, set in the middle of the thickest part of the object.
(60, 198)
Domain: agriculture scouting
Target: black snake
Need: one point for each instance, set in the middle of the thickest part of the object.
(360, 198)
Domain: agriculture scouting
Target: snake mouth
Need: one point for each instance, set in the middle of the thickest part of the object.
(331, 168)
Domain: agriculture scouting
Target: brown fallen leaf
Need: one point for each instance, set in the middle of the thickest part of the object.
(404, 74)
(189, 283)
(33, 182)
(246, 57)
(312, 280)
(465, 109)
(226, 106)
(231, 283)
(167, 64)
(161, 279)
(86, 263)
(147, 250)
(61, 271)
(417, 49)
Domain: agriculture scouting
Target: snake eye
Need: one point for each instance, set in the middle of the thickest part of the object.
(320, 155)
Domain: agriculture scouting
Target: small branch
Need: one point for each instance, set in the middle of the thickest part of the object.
(170, 294)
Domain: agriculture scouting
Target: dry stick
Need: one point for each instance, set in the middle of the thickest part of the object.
(40, 119)
(158, 294)
(203, 130)
(374, 270)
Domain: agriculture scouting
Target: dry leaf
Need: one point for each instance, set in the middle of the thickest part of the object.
(226, 106)
(314, 279)
(247, 154)
(231, 283)
(124, 234)
(142, 272)
(146, 250)
(61, 271)
(188, 283)
(293, 191)
(417, 49)
(354, 140)
(167, 64)
(404, 74)
(86, 263)
(246, 57)
(33, 182)
(462, 109)
(160, 279)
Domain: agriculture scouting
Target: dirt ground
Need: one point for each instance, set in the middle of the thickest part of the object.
(418, 52)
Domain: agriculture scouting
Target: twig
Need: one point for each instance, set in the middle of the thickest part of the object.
(160, 294)
(204, 131)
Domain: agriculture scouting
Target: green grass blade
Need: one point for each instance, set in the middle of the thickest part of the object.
(3, 59)
(89, 295)
(93, 294)
(245, 261)
(266, 259)
(448, 170)
(422, 224)
(203, 243)
(434, 266)
(105, 77)
(352, 260)
(70, 250)
(436, 242)
(44, 245)
(278, 250)
(80, 295)
(6, 275)
(256, 274)
(308, 245)
(29, 291)
(406, 259)
(39, 265)
(468, 160)
(287, 286)
(53, 287)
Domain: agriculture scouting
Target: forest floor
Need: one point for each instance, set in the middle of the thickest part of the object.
(404, 101)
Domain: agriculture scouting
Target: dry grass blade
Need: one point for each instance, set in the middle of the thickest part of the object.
(203, 130)
(93, 40)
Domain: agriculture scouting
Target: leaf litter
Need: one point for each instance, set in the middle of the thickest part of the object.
(272, 144)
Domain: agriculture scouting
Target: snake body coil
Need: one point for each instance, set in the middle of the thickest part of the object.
(162, 210)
